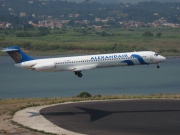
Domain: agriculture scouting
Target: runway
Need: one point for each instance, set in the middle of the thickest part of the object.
(115, 117)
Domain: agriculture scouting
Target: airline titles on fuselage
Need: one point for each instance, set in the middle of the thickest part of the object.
(97, 58)
(109, 57)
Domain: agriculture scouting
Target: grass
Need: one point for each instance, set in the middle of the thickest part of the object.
(77, 40)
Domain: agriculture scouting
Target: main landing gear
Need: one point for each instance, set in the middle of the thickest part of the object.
(78, 73)
(158, 65)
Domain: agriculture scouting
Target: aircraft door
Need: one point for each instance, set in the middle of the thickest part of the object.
(151, 59)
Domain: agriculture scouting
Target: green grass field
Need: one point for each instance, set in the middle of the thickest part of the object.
(89, 41)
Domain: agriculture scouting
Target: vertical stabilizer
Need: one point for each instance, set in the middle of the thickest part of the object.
(17, 54)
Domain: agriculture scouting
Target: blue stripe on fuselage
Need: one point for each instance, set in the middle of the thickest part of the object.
(140, 59)
(129, 62)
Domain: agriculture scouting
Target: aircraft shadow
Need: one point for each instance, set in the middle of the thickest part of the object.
(96, 114)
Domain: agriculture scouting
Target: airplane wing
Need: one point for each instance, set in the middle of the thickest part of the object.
(83, 67)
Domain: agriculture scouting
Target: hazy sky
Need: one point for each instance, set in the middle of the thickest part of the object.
(130, 1)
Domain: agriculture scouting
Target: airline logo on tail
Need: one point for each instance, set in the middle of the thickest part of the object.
(16, 56)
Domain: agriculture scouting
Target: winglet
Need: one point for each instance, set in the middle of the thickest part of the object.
(17, 54)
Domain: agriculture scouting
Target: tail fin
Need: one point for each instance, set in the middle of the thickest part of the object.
(17, 54)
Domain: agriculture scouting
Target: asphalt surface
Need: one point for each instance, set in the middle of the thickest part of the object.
(119, 117)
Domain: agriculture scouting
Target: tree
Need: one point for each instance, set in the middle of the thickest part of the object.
(23, 34)
(28, 27)
(159, 34)
(147, 34)
(27, 45)
(84, 95)
(71, 23)
(43, 31)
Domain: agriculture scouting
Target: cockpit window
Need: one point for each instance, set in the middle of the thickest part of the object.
(156, 54)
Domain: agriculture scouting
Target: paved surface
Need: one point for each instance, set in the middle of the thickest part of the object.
(30, 117)
(117, 117)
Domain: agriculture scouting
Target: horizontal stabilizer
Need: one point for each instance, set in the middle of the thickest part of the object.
(8, 49)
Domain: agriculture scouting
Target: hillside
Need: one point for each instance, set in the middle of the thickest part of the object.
(126, 1)
(86, 14)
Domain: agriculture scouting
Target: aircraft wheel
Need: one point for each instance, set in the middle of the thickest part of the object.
(76, 73)
(80, 75)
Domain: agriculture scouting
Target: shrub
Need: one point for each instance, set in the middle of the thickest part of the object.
(147, 34)
(27, 45)
(43, 31)
(23, 34)
(84, 95)
(159, 34)
(20, 34)
(2, 37)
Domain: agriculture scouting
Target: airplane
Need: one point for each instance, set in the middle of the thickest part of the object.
(77, 64)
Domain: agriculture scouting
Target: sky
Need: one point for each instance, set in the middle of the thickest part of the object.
(130, 1)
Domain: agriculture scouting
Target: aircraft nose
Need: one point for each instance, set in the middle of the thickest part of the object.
(163, 58)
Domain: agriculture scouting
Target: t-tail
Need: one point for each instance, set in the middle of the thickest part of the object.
(17, 54)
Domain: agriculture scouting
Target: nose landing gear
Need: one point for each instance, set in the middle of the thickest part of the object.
(158, 65)
(78, 73)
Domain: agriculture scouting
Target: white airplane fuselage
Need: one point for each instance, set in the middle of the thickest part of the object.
(79, 63)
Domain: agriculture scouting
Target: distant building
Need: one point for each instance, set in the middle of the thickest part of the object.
(169, 25)
(33, 15)
(97, 27)
(65, 21)
(31, 1)
(71, 15)
(22, 14)
(85, 21)
(1, 25)
(97, 20)
(76, 15)
(8, 25)
(105, 21)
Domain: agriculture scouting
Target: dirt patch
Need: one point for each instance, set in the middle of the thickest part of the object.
(7, 126)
